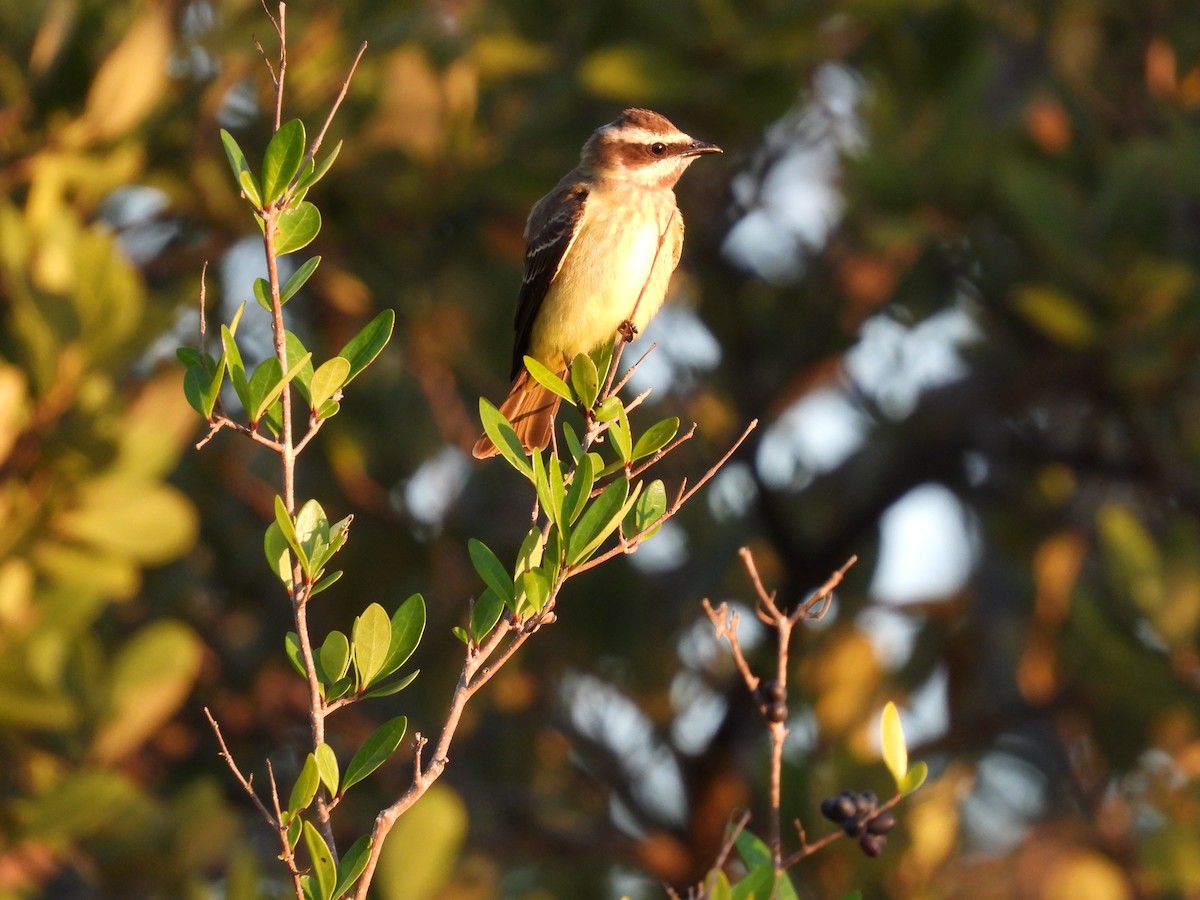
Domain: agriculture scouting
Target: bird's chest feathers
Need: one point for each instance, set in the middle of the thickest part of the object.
(617, 268)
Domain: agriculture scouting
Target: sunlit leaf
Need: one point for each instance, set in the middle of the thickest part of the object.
(501, 433)
(585, 380)
(362, 349)
(282, 159)
(597, 522)
(237, 159)
(323, 869)
(291, 646)
(656, 437)
(372, 640)
(352, 865)
(375, 750)
(319, 170)
(298, 279)
(296, 228)
(333, 659)
(914, 778)
(387, 688)
(649, 508)
(327, 767)
(328, 379)
(891, 738)
(305, 787)
(408, 625)
(549, 380)
(491, 570)
(485, 613)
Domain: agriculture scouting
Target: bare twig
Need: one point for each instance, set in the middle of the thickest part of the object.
(274, 820)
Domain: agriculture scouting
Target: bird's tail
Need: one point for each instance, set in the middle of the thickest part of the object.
(531, 410)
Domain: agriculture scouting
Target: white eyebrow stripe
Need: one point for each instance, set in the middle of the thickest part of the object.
(646, 136)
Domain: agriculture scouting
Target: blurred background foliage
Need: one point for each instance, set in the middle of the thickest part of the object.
(949, 258)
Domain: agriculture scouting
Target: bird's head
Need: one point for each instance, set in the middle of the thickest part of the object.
(644, 148)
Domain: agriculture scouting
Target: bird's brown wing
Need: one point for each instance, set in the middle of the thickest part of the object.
(552, 227)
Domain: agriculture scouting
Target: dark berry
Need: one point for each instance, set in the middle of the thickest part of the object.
(776, 712)
(854, 826)
(773, 692)
(837, 808)
(882, 823)
(872, 844)
(866, 801)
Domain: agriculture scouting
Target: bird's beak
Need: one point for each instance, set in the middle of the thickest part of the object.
(699, 148)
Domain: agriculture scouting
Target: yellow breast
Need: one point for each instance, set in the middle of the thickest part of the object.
(617, 268)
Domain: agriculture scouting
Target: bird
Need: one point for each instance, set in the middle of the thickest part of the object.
(600, 248)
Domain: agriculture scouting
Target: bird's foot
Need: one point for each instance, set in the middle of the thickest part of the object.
(627, 330)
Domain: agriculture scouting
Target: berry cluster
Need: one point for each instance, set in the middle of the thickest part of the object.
(773, 701)
(860, 818)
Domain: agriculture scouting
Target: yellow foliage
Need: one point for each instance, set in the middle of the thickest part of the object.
(130, 80)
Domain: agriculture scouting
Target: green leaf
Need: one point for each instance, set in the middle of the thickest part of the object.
(541, 485)
(291, 646)
(573, 445)
(295, 228)
(716, 886)
(372, 640)
(235, 366)
(324, 583)
(317, 172)
(353, 864)
(275, 547)
(585, 380)
(602, 356)
(656, 437)
(262, 293)
(294, 830)
(609, 408)
(241, 169)
(582, 483)
(501, 433)
(267, 375)
(273, 383)
(491, 570)
(891, 740)
(485, 613)
(753, 849)
(461, 634)
(549, 380)
(305, 787)
(249, 185)
(914, 778)
(333, 659)
(597, 522)
(189, 356)
(532, 590)
(758, 884)
(327, 767)
(648, 509)
(299, 277)
(375, 750)
(387, 688)
(298, 355)
(281, 162)
(408, 625)
(557, 490)
(362, 349)
(288, 528)
(328, 379)
(620, 435)
(323, 870)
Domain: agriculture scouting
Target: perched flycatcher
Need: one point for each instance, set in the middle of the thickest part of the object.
(599, 251)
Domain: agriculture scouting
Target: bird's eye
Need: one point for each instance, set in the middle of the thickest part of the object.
(658, 149)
